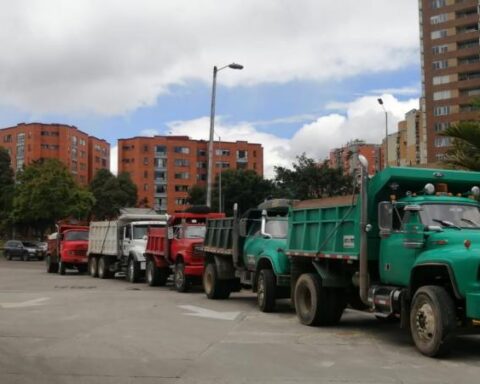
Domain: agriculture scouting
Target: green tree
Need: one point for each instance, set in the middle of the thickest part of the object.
(7, 187)
(465, 149)
(310, 180)
(197, 195)
(112, 193)
(46, 192)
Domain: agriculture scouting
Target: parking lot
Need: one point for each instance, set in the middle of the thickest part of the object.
(76, 329)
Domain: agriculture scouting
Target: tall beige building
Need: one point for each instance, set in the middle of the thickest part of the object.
(449, 32)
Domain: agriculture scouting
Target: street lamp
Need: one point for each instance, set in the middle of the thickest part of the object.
(380, 101)
(220, 180)
(212, 127)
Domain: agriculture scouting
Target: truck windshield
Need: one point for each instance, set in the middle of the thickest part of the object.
(451, 215)
(277, 228)
(195, 232)
(76, 236)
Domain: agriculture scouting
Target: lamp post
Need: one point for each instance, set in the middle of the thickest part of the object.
(220, 180)
(380, 101)
(212, 127)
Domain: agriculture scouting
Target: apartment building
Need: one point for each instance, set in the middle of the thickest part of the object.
(449, 32)
(81, 153)
(164, 168)
(346, 157)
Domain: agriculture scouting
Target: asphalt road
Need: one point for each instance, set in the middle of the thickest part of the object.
(75, 329)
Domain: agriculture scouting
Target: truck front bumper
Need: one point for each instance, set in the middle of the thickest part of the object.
(74, 259)
(473, 306)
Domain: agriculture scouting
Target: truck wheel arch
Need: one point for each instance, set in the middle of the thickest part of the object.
(433, 274)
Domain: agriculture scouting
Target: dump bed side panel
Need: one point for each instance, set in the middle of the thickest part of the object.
(156, 241)
(325, 228)
(103, 238)
(219, 235)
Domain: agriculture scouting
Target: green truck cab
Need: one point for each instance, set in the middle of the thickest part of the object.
(249, 251)
(406, 247)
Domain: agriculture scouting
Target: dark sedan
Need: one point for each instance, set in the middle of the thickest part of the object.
(24, 250)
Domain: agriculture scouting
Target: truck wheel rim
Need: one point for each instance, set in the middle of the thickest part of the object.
(261, 290)
(130, 271)
(425, 322)
(179, 278)
(208, 282)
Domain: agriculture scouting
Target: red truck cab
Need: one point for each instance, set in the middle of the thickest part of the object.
(67, 248)
(177, 247)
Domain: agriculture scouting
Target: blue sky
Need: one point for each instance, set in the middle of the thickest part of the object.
(120, 70)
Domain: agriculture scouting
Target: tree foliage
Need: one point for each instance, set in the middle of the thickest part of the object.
(7, 186)
(310, 180)
(112, 193)
(45, 193)
(197, 195)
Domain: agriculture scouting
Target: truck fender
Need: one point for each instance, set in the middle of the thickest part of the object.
(433, 274)
(329, 277)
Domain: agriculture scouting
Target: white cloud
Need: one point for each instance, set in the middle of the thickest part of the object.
(149, 132)
(412, 90)
(361, 119)
(114, 160)
(110, 57)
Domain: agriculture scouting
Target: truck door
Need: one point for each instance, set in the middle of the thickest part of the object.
(399, 250)
(253, 245)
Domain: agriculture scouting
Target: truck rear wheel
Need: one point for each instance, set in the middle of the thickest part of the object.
(432, 320)
(213, 287)
(133, 271)
(103, 268)
(266, 290)
(62, 268)
(155, 276)
(93, 266)
(179, 278)
(317, 305)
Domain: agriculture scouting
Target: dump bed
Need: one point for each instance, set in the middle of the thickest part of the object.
(325, 228)
(219, 236)
(156, 243)
(104, 238)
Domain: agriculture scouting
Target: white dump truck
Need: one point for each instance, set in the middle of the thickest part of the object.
(118, 246)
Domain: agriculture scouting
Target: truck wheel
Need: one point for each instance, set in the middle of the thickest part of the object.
(93, 266)
(266, 290)
(155, 276)
(103, 268)
(62, 268)
(312, 302)
(179, 278)
(133, 271)
(213, 287)
(337, 301)
(432, 320)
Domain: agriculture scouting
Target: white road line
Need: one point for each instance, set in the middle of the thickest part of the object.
(208, 313)
(23, 304)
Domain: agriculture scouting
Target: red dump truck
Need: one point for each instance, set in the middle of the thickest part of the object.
(67, 248)
(176, 248)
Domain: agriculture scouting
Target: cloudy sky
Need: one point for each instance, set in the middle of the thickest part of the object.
(313, 68)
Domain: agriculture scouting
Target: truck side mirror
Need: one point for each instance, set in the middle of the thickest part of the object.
(242, 227)
(385, 218)
(263, 225)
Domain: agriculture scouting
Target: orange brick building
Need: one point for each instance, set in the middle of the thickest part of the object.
(164, 168)
(81, 153)
(346, 157)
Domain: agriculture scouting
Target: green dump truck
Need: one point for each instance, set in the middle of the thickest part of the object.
(406, 247)
(249, 251)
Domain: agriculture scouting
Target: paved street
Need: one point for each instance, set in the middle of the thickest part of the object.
(75, 329)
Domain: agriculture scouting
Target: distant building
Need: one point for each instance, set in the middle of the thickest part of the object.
(408, 146)
(81, 153)
(450, 53)
(164, 168)
(346, 157)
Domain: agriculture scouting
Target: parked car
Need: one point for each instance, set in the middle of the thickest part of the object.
(43, 245)
(24, 250)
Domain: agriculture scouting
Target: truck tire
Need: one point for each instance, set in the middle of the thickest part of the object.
(214, 288)
(314, 304)
(155, 276)
(93, 266)
(103, 267)
(51, 267)
(179, 279)
(62, 268)
(266, 290)
(432, 320)
(133, 271)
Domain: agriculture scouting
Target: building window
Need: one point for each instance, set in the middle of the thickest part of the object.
(467, 28)
(104, 163)
(83, 142)
(435, 4)
(181, 188)
(440, 127)
(181, 163)
(470, 92)
(145, 160)
(45, 133)
(145, 148)
(145, 187)
(442, 110)
(202, 177)
(83, 166)
(160, 163)
(201, 152)
(242, 155)
(7, 138)
(160, 150)
(254, 153)
(469, 60)
(439, 49)
(437, 19)
(160, 175)
(442, 95)
(74, 166)
(439, 34)
(74, 153)
(185, 150)
(222, 164)
(182, 175)
(440, 64)
(437, 80)
(145, 174)
(441, 142)
(201, 164)
(181, 201)
(125, 147)
(160, 188)
(222, 152)
(468, 76)
(74, 140)
(54, 133)
(467, 44)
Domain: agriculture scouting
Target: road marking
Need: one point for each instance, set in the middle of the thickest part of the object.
(23, 304)
(208, 313)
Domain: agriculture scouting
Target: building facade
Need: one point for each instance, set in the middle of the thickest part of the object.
(164, 168)
(77, 150)
(449, 33)
(346, 157)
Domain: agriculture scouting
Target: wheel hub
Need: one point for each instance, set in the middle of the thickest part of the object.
(179, 277)
(425, 322)
(261, 290)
